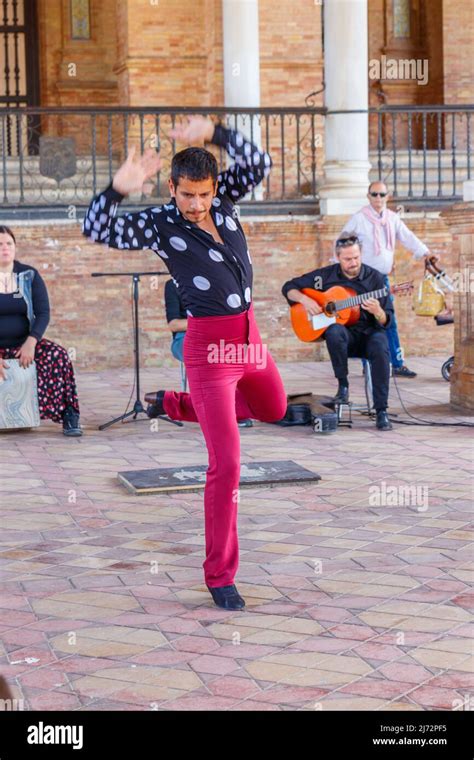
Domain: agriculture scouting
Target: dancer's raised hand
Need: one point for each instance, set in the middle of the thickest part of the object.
(134, 172)
(197, 131)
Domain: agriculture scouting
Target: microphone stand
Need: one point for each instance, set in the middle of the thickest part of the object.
(138, 407)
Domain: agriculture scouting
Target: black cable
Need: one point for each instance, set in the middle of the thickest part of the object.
(420, 422)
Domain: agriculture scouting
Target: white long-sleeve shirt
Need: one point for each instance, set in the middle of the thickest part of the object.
(364, 229)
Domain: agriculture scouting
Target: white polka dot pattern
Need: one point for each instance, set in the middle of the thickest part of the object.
(212, 281)
(178, 243)
(202, 283)
(234, 300)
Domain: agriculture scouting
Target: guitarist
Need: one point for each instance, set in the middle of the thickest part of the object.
(365, 339)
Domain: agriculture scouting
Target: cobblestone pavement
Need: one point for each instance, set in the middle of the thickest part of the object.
(357, 588)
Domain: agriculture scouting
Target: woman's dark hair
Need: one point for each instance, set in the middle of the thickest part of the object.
(7, 231)
(195, 164)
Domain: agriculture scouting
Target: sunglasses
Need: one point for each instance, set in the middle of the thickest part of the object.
(376, 195)
(347, 241)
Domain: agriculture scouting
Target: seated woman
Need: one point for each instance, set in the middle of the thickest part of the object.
(24, 316)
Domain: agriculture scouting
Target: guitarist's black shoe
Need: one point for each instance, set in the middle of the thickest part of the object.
(227, 597)
(403, 372)
(342, 395)
(155, 404)
(382, 422)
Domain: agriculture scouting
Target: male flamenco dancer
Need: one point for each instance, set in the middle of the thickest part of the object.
(200, 239)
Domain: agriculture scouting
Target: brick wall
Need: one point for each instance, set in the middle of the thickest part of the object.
(458, 35)
(167, 52)
(93, 316)
(290, 52)
(143, 53)
(91, 79)
(460, 219)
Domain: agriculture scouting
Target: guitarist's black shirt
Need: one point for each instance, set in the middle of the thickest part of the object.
(366, 281)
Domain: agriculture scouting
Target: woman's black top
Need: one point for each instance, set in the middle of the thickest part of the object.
(14, 323)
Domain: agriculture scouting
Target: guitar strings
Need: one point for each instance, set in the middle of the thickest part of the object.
(356, 300)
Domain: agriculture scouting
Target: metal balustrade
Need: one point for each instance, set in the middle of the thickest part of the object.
(57, 158)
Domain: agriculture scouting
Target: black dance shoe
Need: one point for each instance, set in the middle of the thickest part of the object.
(227, 597)
(245, 423)
(155, 404)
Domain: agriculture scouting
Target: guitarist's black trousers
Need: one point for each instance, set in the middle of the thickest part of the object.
(371, 344)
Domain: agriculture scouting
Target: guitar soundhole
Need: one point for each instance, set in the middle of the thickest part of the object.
(330, 307)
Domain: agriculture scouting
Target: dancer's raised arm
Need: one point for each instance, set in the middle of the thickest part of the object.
(136, 230)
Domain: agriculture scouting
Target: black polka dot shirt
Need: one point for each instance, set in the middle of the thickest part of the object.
(212, 279)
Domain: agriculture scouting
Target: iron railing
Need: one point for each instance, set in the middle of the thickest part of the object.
(424, 153)
(79, 149)
(55, 158)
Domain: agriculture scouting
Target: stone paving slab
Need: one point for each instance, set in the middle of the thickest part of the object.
(358, 589)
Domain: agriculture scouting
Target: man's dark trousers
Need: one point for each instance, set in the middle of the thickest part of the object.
(372, 344)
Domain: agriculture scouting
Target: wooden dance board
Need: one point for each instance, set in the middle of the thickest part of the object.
(189, 479)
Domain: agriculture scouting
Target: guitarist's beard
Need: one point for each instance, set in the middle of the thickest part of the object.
(352, 272)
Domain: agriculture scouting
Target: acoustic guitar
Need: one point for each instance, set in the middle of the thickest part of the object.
(340, 305)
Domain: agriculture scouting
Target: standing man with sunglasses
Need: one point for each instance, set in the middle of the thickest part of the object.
(378, 229)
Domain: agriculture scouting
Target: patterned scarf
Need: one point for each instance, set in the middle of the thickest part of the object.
(379, 222)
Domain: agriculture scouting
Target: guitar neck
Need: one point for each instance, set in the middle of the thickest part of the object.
(347, 303)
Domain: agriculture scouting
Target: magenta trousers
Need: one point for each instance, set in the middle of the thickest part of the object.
(225, 383)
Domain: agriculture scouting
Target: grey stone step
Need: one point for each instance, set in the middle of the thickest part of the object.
(417, 160)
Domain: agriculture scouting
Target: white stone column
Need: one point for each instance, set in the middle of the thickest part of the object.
(241, 53)
(242, 64)
(346, 167)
